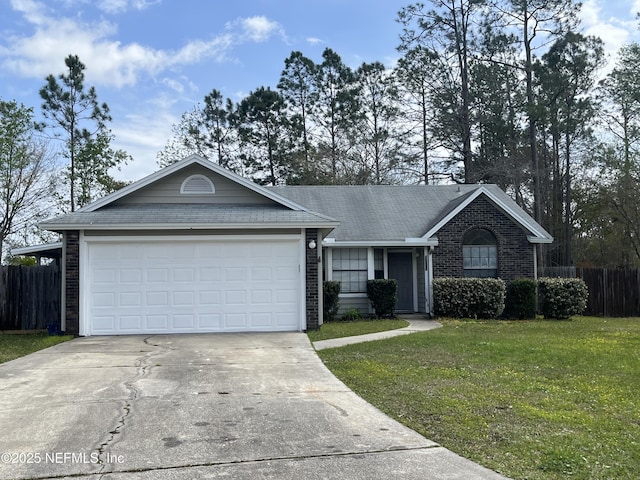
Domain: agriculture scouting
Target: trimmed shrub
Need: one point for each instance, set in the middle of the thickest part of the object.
(521, 299)
(330, 300)
(351, 315)
(468, 297)
(561, 298)
(383, 294)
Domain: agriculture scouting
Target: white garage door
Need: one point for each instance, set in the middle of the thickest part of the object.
(192, 286)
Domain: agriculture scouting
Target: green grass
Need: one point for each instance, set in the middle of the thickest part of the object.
(14, 346)
(530, 399)
(349, 329)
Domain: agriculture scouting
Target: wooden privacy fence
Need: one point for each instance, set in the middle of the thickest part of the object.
(612, 292)
(29, 297)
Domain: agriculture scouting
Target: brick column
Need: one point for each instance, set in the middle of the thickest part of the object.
(72, 276)
(312, 286)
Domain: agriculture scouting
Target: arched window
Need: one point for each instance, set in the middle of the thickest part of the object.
(480, 254)
(197, 185)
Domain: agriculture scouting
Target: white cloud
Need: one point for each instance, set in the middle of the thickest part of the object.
(613, 31)
(314, 40)
(120, 6)
(108, 61)
(143, 134)
(256, 29)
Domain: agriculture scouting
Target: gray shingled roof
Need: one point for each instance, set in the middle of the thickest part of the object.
(196, 215)
(386, 212)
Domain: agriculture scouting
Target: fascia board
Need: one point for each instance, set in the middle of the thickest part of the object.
(533, 239)
(36, 248)
(430, 242)
(182, 226)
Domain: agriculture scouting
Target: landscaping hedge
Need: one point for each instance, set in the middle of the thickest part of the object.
(383, 294)
(469, 297)
(520, 302)
(561, 298)
(330, 300)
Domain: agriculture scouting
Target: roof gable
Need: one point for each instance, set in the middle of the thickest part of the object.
(503, 202)
(169, 179)
(158, 202)
(170, 189)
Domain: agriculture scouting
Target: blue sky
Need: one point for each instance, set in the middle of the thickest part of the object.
(152, 60)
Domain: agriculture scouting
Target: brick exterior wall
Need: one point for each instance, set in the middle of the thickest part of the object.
(72, 278)
(515, 253)
(312, 304)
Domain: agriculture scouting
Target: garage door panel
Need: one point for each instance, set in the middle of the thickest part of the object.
(129, 252)
(183, 299)
(131, 323)
(131, 299)
(209, 297)
(183, 322)
(261, 320)
(104, 300)
(190, 286)
(261, 297)
(235, 297)
(285, 273)
(157, 299)
(235, 320)
(261, 274)
(157, 275)
(209, 274)
(156, 323)
(285, 319)
(209, 321)
(235, 274)
(104, 323)
(104, 276)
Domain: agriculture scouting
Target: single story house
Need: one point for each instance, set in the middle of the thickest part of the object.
(197, 248)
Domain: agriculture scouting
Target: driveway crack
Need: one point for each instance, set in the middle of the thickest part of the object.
(143, 366)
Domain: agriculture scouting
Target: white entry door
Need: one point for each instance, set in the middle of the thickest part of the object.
(184, 286)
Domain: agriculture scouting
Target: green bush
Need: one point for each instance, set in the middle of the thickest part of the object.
(521, 299)
(383, 294)
(351, 315)
(330, 300)
(561, 298)
(468, 297)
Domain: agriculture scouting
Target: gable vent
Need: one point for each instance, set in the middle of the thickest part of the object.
(197, 185)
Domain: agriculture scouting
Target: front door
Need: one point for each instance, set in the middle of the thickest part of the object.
(401, 269)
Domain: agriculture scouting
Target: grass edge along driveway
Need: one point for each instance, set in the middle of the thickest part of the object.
(529, 399)
(13, 346)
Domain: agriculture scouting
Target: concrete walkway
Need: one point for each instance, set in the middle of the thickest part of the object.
(417, 323)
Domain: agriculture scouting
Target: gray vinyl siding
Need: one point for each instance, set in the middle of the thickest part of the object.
(167, 190)
(360, 303)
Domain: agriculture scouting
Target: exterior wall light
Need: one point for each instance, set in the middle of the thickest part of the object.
(312, 244)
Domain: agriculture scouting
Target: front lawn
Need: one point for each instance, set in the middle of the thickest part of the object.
(530, 399)
(14, 346)
(349, 329)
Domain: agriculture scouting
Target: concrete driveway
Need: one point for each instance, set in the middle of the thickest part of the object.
(201, 406)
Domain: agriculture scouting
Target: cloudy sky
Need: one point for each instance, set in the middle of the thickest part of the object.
(152, 60)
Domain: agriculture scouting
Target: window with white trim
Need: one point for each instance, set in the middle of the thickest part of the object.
(350, 269)
(480, 254)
